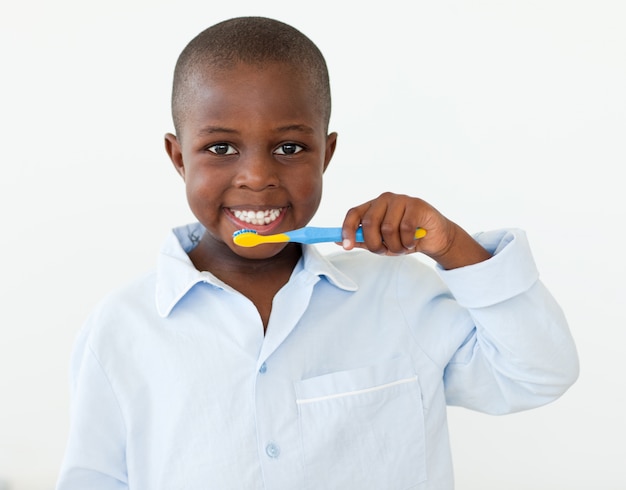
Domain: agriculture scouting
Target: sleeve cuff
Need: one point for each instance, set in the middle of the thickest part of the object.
(511, 271)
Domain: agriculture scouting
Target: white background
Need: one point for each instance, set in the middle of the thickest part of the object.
(500, 113)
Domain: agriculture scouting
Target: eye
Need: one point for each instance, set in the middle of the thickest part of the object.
(222, 149)
(288, 149)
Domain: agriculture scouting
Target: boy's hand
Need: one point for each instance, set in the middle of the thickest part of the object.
(389, 223)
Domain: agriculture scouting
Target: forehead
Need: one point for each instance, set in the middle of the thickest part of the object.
(244, 93)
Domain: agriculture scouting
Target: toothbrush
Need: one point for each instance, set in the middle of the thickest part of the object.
(308, 234)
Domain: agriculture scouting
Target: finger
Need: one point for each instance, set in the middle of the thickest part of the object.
(392, 226)
(371, 223)
(351, 223)
(409, 224)
(394, 216)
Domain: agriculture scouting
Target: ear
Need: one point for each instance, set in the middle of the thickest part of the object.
(172, 147)
(331, 144)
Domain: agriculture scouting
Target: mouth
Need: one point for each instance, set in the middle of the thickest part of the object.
(258, 218)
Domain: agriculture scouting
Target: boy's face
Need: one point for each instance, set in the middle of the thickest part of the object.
(252, 151)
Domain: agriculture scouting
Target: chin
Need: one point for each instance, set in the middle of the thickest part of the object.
(267, 251)
(261, 252)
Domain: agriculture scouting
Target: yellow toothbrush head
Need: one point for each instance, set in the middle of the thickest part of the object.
(250, 238)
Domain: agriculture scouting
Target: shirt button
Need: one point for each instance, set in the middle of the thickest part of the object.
(263, 368)
(272, 450)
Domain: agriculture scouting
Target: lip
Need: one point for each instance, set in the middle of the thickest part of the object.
(261, 229)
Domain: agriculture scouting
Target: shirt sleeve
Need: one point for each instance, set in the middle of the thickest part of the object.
(519, 354)
(95, 452)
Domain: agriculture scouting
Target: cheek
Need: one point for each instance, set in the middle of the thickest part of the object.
(202, 182)
(201, 190)
(309, 189)
(194, 187)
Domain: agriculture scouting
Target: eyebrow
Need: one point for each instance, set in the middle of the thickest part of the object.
(208, 130)
(296, 127)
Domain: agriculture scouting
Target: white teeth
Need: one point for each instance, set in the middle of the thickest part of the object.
(257, 217)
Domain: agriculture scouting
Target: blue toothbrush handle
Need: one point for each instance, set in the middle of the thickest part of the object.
(312, 234)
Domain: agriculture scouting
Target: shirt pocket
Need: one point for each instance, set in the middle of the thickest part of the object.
(364, 428)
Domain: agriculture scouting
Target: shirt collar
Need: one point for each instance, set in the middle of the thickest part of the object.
(176, 274)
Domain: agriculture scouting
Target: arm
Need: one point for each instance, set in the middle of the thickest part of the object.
(516, 352)
(520, 353)
(95, 452)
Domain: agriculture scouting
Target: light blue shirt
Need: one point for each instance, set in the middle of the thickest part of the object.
(175, 386)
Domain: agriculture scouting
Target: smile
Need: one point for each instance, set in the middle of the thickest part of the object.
(257, 217)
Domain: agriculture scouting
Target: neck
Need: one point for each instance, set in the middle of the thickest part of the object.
(257, 279)
(216, 257)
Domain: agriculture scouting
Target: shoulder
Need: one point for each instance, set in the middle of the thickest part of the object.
(123, 307)
(133, 294)
(112, 325)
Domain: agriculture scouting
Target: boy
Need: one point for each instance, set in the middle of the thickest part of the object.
(276, 368)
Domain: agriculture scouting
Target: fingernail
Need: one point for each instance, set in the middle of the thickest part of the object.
(346, 243)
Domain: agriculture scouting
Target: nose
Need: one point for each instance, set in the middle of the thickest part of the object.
(257, 171)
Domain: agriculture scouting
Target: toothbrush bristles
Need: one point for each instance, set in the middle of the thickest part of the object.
(244, 230)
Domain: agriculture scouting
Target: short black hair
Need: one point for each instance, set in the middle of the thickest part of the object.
(253, 40)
